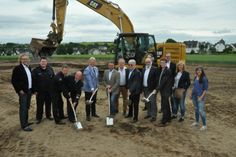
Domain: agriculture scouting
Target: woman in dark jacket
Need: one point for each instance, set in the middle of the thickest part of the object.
(181, 84)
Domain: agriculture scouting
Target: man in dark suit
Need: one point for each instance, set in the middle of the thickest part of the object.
(134, 89)
(172, 66)
(22, 83)
(165, 88)
(58, 87)
(74, 86)
(42, 78)
(150, 77)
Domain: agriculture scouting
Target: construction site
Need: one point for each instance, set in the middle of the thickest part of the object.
(124, 138)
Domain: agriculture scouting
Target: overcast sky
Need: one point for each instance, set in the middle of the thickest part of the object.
(202, 20)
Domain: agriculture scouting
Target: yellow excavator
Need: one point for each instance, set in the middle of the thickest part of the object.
(129, 45)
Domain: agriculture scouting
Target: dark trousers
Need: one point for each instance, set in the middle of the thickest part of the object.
(166, 114)
(90, 109)
(41, 99)
(134, 106)
(57, 106)
(24, 101)
(70, 112)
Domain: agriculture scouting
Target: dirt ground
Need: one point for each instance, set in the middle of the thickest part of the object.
(124, 139)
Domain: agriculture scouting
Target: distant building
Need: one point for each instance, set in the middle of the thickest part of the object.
(192, 46)
(220, 46)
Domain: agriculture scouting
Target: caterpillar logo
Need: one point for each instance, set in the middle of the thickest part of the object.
(94, 4)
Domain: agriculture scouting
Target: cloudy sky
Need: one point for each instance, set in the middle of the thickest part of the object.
(203, 20)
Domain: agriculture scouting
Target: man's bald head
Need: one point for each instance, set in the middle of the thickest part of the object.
(78, 75)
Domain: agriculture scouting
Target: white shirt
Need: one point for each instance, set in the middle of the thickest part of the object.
(110, 73)
(145, 77)
(168, 64)
(122, 76)
(177, 77)
(28, 73)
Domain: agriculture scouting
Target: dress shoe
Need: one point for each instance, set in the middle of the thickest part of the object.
(60, 123)
(124, 113)
(49, 118)
(96, 116)
(64, 117)
(88, 118)
(181, 119)
(134, 120)
(128, 116)
(152, 119)
(27, 129)
(146, 117)
(173, 117)
(38, 121)
(162, 125)
(30, 123)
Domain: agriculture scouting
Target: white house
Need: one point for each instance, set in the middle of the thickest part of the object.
(192, 46)
(220, 46)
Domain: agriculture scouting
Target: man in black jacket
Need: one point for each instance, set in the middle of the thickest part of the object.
(58, 87)
(149, 82)
(74, 85)
(172, 66)
(134, 89)
(22, 83)
(42, 78)
(165, 88)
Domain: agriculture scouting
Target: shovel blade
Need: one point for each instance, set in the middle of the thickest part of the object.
(109, 121)
(78, 125)
(88, 102)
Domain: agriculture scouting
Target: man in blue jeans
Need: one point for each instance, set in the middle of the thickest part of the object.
(111, 79)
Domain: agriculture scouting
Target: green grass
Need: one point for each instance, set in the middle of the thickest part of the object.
(206, 59)
(212, 59)
(75, 57)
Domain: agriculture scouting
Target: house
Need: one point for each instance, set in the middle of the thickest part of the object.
(220, 46)
(94, 51)
(192, 46)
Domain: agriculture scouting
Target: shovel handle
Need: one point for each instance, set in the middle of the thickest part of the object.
(93, 94)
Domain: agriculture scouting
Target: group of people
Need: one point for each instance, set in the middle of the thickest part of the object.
(170, 80)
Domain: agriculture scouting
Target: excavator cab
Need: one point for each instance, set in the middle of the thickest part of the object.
(135, 46)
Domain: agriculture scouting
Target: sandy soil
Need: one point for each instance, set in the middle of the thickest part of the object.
(125, 138)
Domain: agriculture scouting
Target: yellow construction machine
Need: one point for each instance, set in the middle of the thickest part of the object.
(129, 45)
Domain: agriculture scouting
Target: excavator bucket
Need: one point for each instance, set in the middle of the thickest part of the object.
(43, 47)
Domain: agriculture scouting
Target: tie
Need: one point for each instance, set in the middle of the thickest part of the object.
(160, 77)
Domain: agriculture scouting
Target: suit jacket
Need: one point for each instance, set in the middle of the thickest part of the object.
(165, 79)
(19, 79)
(152, 78)
(184, 81)
(73, 88)
(91, 76)
(133, 84)
(113, 82)
(173, 68)
(58, 85)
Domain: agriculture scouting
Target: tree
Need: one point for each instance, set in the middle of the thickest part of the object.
(170, 41)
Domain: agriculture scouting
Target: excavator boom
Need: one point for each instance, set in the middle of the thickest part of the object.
(112, 12)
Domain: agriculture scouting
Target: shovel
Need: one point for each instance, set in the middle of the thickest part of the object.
(89, 102)
(146, 100)
(77, 123)
(109, 119)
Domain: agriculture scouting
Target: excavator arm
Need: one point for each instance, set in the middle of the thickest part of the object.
(111, 11)
(107, 9)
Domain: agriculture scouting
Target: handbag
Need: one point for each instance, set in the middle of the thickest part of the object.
(178, 92)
